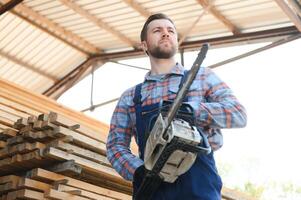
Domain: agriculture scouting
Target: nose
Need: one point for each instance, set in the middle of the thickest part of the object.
(165, 33)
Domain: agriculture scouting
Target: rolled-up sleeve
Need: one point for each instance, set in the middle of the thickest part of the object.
(118, 142)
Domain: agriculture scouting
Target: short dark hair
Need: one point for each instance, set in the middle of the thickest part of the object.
(149, 20)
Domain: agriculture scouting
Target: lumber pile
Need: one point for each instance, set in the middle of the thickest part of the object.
(37, 135)
(55, 146)
(43, 184)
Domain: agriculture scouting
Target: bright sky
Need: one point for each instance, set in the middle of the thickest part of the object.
(267, 84)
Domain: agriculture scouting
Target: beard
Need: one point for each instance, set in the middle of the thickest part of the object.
(160, 53)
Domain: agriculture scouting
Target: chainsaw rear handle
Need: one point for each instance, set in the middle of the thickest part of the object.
(204, 148)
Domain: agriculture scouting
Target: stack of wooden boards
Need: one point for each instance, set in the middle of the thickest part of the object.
(48, 151)
(57, 144)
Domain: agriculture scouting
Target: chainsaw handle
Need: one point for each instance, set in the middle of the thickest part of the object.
(204, 147)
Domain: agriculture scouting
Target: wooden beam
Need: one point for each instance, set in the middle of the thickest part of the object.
(58, 195)
(290, 14)
(243, 38)
(76, 8)
(219, 16)
(33, 184)
(136, 6)
(53, 29)
(26, 194)
(27, 66)
(296, 5)
(73, 77)
(9, 5)
(184, 35)
(82, 140)
(90, 195)
(79, 151)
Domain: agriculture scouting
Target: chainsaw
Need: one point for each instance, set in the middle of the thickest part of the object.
(174, 141)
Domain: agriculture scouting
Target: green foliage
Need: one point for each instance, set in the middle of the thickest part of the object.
(247, 182)
(253, 190)
(298, 190)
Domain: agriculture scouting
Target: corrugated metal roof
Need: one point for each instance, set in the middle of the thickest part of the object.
(43, 43)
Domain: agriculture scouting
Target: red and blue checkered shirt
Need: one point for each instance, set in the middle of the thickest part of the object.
(214, 105)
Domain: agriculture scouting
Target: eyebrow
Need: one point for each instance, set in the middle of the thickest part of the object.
(160, 27)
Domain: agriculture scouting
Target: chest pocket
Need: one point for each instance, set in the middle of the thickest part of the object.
(194, 93)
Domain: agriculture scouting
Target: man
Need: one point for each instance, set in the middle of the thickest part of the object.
(213, 103)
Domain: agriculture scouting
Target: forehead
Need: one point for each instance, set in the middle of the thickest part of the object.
(164, 23)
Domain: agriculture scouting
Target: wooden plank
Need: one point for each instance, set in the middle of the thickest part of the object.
(20, 123)
(44, 175)
(7, 187)
(11, 182)
(40, 136)
(69, 168)
(82, 140)
(19, 107)
(44, 105)
(5, 121)
(83, 193)
(23, 162)
(92, 172)
(97, 137)
(2, 144)
(3, 127)
(26, 183)
(22, 148)
(107, 172)
(31, 119)
(59, 119)
(15, 140)
(12, 111)
(8, 133)
(9, 116)
(84, 153)
(54, 194)
(25, 194)
(9, 165)
(9, 178)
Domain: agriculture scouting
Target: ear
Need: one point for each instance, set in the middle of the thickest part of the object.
(144, 46)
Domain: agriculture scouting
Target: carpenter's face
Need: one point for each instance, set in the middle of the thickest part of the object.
(161, 40)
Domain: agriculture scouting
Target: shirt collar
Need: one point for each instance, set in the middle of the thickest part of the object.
(178, 69)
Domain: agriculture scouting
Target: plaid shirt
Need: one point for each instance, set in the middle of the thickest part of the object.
(214, 105)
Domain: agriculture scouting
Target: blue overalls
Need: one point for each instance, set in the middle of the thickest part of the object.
(201, 182)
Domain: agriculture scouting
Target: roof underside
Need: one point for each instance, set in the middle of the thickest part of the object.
(49, 45)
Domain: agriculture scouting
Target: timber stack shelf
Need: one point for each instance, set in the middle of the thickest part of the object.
(49, 151)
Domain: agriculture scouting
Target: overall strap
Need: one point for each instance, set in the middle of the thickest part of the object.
(183, 78)
(182, 82)
(138, 110)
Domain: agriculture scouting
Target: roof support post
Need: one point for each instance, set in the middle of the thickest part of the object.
(73, 77)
